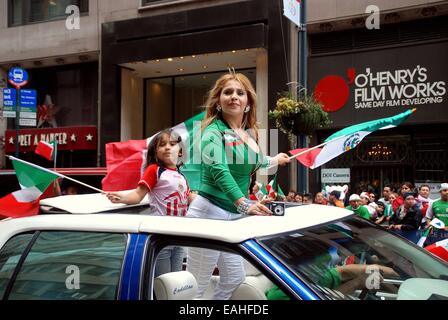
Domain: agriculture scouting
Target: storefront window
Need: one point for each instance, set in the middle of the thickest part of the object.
(171, 100)
(23, 12)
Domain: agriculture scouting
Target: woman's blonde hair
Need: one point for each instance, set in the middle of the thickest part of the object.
(249, 119)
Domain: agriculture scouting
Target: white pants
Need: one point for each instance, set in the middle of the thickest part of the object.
(202, 262)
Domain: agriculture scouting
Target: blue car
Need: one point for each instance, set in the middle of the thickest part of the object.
(84, 247)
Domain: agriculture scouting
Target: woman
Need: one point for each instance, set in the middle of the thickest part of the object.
(230, 156)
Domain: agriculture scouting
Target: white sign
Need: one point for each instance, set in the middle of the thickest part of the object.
(27, 122)
(339, 175)
(291, 10)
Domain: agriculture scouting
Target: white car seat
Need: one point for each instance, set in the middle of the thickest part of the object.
(253, 288)
(180, 285)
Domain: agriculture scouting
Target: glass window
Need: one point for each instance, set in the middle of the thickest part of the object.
(355, 260)
(71, 266)
(9, 256)
(31, 11)
(171, 100)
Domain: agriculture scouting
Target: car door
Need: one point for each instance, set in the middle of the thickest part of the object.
(69, 265)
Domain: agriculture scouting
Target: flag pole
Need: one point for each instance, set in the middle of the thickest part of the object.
(54, 172)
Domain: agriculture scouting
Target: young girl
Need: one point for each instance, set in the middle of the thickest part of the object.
(167, 191)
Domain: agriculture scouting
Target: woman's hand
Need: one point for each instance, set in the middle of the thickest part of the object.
(282, 159)
(258, 209)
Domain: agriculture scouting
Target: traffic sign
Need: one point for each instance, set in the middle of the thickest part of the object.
(9, 102)
(18, 77)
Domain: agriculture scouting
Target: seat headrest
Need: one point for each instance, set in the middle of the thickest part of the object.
(180, 285)
(250, 269)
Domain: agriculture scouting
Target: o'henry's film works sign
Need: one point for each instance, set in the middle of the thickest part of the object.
(360, 86)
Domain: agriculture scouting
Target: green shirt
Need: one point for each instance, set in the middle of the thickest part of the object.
(227, 165)
(439, 209)
(361, 211)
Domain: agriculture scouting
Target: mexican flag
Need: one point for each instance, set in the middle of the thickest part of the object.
(46, 149)
(347, 139)
(440, 249)
(33, 180)
(125, 161)
(272, 188)
(435, 223)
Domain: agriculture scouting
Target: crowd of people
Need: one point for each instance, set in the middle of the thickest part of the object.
(406, 209)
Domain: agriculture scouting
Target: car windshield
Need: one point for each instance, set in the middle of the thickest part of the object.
(353, 259)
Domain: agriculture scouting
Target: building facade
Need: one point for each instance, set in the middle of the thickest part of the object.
(129, 68)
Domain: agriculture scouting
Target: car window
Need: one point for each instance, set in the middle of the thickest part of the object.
(9, 256)
(71, 266)
(356, 260)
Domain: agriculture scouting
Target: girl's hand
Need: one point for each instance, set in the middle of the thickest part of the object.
(114, 197)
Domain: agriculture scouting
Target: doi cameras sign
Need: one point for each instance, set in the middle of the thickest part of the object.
(339, 175)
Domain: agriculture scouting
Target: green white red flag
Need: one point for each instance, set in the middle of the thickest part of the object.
(347, 139)
(33, 180)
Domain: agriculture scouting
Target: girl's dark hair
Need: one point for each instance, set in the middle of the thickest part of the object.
(151, 157)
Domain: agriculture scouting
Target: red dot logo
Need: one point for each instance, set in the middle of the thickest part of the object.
(333, 92)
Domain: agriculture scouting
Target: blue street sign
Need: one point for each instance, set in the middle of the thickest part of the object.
(28, 99)
(9, 102)
(18, 77)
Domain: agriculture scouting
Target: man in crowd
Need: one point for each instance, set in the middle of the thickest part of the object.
(387, 190)
(408, 216)
(320, 199)
(334, 199)
(356, 207)
(291, 195)
(439, 207)
(423, 197)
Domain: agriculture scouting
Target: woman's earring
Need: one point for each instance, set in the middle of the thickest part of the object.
(246, 110)
(218, 108)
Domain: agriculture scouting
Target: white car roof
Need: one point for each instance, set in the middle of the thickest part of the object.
(235, 231)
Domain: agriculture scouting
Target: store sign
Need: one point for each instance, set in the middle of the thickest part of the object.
(339, 175)
(68, 138)
(362, 86)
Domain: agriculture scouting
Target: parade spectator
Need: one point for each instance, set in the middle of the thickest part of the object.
(256, 193)
(365, 201)
(231, 110)
(372, 197)
(298, 198)
(439, 207)
(161, 179)
(291, 195)
(381, 218)
(307, 198)
(405, 187)
(408, 216)
(423, 198)
(387, 191)
(320, 199)
(357, 208)
(334, 199)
